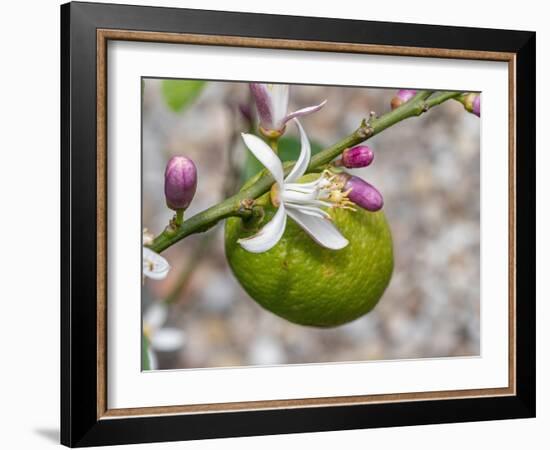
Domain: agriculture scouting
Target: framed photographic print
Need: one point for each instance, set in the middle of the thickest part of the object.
(277, 224)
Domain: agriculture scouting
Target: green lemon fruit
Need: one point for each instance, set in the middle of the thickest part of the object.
(311, 285)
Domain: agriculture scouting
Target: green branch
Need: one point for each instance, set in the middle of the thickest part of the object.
(242, 203)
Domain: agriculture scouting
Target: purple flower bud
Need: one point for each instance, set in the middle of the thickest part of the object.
(180, 182)
(476, 106)
(358, 156)
(402, 96)
(472, 103)
(361, 193)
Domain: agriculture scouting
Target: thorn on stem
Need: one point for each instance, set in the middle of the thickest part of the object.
(254, 218)
(247, 203)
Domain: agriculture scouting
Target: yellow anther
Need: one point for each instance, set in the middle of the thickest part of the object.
(340, 199)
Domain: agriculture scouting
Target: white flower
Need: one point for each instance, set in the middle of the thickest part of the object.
(301, 202)
(272, 104)
(148, 237)
(154, 265)
(161, 339)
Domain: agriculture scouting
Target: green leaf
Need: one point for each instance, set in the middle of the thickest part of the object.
(289, 150)
(145, 363)
(180, 93)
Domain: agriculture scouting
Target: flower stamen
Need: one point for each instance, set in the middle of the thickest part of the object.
(332, 192)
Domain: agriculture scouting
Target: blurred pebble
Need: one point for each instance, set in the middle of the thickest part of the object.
(265, 350)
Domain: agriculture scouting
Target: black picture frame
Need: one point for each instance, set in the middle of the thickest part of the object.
(80, 425)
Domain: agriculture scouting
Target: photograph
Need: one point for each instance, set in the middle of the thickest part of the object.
(275, 233)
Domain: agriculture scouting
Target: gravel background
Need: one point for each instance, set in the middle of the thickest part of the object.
(427, 169)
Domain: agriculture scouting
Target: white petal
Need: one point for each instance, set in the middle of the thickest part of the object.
(295, 187)
(312, 185)
(153, 363)
(167, 340)
(279, 102)
(154, 265)
(321, 230)
(303, 160)
(309, 210)
(268, 236)
(265, 155)
(155, 316)
(298, 197)
(304, 111)
(148, 237)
